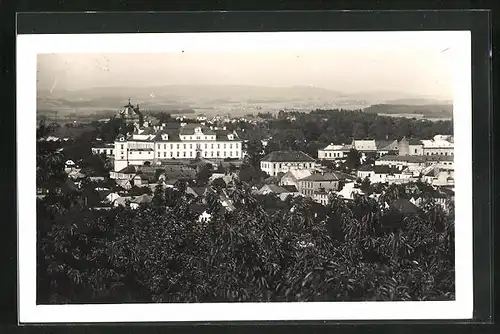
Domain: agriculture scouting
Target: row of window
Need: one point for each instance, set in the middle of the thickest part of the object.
(282, 165)
(307, 184)
(101, 151)
(159, 146)
(198, 137)
(334, 154)
(205, 154)
(438, 153)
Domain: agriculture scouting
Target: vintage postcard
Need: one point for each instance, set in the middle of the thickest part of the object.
(244, 176)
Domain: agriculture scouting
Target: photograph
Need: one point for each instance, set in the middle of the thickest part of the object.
(263, 170)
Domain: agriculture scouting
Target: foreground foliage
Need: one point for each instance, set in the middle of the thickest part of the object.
(161, 253)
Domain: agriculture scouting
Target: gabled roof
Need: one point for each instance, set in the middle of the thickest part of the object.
(384, 169)
(404, 205)
(386, 145)
(288, 156)
(297, 174)
(273, 188)
(130, 169)
(340, 147)
(366, 168)
(365, 145)
(322, 177)
(439, 157)
(404, 158)
(189, 128)
(290, 188)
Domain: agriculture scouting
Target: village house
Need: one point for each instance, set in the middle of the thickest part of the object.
(348, 191)
(334, 152)
(445, 162)
(438, 145)
(439, 177)
(321, 196)
(283, 161)
(401, 162)
(326, 181)
(366, 171)
(410, 147)
(292, 177)
(104, 148)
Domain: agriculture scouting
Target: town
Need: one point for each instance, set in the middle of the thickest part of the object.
(326, 205)
(153, 153)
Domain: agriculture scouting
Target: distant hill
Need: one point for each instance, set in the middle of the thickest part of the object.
(211, 99)
(429, 110)
(419, 102)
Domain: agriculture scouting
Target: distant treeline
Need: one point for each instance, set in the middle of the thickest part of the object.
(314, 130)
(426, 110)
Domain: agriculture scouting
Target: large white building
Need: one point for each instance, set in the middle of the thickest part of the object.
(371, 146)
(283, 161)
(151, 145)
(438, 145)
(334, 152)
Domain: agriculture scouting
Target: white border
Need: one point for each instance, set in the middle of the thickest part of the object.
(28, 46)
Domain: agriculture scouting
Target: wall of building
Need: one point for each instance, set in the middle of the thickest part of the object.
(274, 168)
(415, 150)
(437, 151)
(308, 188)
(124, 153)
(331, 155)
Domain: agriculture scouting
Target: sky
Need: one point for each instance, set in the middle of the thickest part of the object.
(425, 72)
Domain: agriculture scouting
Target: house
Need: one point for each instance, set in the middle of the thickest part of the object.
(70, 164)
(366, 171)
(445, 162)
(292, 177)
(126, 173)
(271, 189)
(314, 182)
(132, 201)
(384, 173)
(282, 161)
(386, 147)
(104, 148)
(111, 197)
(364, 146)
(410, 146)
(189, 141)
(404, 205)
(76, 174)
(334, 152)
(349, 191)
(321, 196)
(438, 145)
(401, 161)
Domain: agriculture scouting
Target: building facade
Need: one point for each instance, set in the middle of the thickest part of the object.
(334, 152)
(310, 185)
(283, 161)
(192, 141)
(292, 177)
(107, 149)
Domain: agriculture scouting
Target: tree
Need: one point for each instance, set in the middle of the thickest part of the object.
(254, 150)
(219, 183)
(353, 159)
(249, 174)
(204, 174)
(263, 250)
